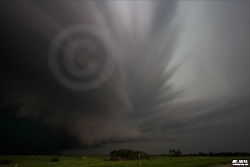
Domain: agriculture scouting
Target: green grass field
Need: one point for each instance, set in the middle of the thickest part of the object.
(101, 161)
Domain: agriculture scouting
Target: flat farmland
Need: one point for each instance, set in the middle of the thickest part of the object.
(102, 161)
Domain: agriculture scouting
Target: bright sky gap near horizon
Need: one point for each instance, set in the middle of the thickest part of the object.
(176, 76)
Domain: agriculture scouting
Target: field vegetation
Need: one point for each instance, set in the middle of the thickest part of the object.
(104, 161)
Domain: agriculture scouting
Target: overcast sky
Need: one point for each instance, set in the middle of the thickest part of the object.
(93, 76)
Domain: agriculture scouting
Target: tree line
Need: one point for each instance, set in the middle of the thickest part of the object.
(127, 154)
(176, 153)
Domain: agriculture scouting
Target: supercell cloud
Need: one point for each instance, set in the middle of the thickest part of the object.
(97, 72)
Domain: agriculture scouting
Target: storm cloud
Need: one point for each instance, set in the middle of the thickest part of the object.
(104, 72)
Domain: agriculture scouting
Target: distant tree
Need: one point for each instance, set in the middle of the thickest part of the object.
(211, 154)
(171, 152)
(131, 154)
(174, 153)
(114, 153)
(178, 153)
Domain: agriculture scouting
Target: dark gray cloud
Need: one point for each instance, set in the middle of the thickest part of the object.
(100, 72)
(47, 48)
